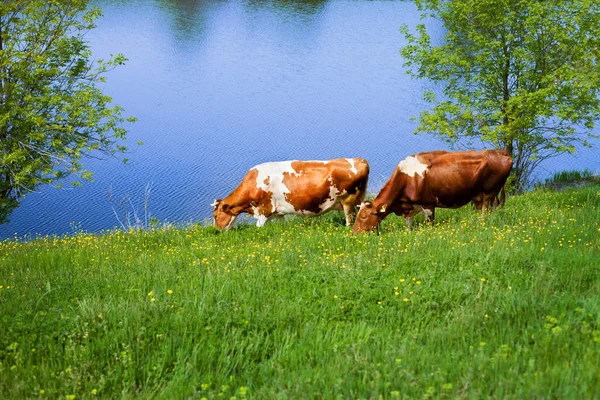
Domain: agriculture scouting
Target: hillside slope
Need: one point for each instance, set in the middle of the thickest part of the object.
(505, 307)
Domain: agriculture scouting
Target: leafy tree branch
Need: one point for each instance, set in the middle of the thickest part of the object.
(52, 112)
(516, 74)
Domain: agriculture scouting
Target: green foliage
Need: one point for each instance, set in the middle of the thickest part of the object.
(517, 74)
(52, 112)
(505, 308)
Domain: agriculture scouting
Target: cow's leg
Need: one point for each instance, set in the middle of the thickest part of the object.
(429, 214)
(409, 216)
(261, 220)
(489, 202)
(486, 204)
(349, 212)
(496, 202)
(477, 202)
(349, 204)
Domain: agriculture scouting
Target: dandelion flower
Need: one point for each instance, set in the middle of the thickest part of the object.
(170, 291)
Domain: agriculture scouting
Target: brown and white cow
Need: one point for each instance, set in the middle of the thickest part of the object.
(296, 187)
(424, 181)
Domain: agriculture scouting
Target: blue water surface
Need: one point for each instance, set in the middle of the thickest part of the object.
(220, 86)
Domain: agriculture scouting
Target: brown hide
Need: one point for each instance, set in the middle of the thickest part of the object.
(310, 185)
(307, 187)
(451, 180)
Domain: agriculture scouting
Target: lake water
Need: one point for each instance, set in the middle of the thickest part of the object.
(220, 86)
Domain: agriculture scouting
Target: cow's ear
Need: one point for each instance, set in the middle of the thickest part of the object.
(226, 207)
(381, 208)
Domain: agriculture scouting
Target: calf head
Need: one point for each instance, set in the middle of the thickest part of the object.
(223, 215)
(368, 217)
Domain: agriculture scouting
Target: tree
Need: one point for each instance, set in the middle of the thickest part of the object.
(52, 111)
(522, 75)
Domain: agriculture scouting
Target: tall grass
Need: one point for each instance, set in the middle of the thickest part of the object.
(504, 307)
(562, 178)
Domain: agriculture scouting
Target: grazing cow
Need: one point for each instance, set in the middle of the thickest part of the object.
(296, 187)
(424, 181)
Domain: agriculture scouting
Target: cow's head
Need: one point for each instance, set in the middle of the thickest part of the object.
(368, 217)
(223, 215)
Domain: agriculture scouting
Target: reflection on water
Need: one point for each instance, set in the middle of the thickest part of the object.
(220, 86)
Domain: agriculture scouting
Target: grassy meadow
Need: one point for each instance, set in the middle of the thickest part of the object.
(506, 307)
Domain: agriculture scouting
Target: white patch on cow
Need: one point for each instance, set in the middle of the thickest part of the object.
(352, 166)
(273, 173)
(331, 201)
(411, 166)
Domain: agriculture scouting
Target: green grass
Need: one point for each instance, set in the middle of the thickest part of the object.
(507, 307)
